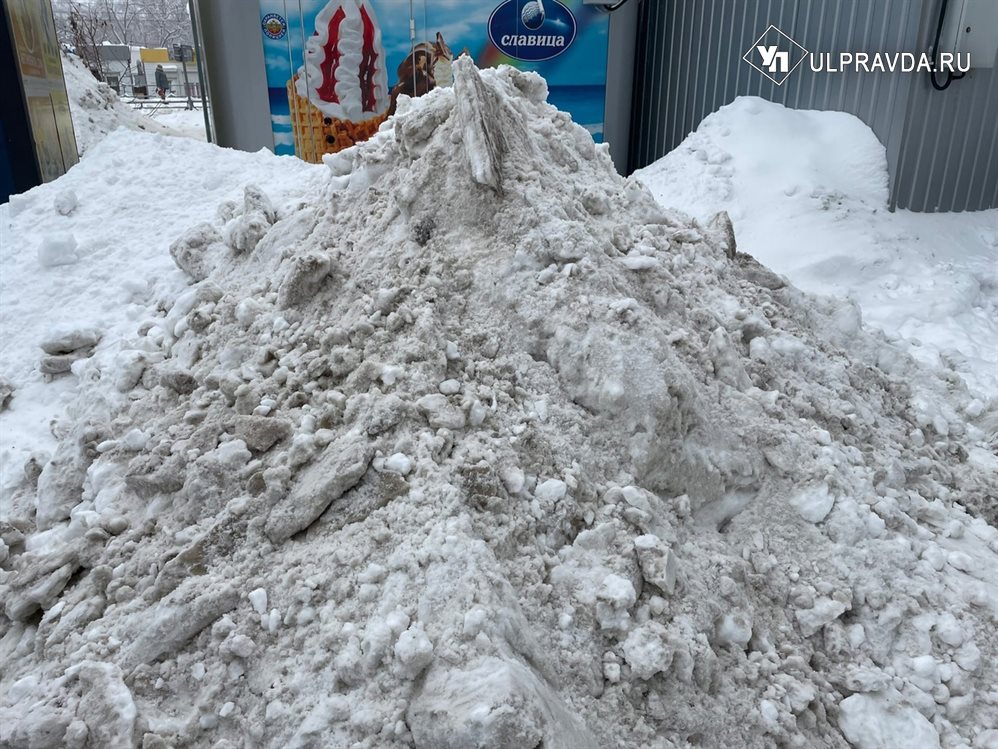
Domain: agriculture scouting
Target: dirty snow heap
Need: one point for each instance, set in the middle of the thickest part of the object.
(484, 448)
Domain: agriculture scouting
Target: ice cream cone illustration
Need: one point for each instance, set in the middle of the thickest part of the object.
(340, 95)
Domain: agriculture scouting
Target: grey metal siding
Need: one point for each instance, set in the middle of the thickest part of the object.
(942, 147)
(950, 158)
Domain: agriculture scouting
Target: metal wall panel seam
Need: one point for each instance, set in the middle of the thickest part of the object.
(964, 109)
(643, 69)
(861, 83)
(648, 70)
(705, 89)
(739, 68)
(914, 117)
(716, 97)
(677, 102)
(903, 121)
(992, 166)
(662, 50)
(972, 165)
(690, 111)
(801, 33)
(982, 143)
(818, 38)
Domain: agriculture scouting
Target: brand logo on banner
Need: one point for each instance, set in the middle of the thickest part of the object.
(274, 26)
(532, 30)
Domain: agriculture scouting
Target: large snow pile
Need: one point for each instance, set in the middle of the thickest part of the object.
(807, 193)
(478, 446)
(97, 111)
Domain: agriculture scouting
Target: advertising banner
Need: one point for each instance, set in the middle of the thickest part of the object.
(39, 64)
(336, 68)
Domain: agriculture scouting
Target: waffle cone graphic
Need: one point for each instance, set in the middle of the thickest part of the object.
(316, 133)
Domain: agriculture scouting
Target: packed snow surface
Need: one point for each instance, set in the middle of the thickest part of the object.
(807, 193)
(186, 122)
(470, 443)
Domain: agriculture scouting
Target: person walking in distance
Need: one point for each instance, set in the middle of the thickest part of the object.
(162, 82)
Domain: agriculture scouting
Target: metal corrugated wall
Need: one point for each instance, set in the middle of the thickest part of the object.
(949, 161)
(689, 63)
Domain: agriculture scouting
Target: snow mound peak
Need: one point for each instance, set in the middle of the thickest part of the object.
(482, 447)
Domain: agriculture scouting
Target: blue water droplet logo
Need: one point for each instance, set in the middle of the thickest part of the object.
(532, 14)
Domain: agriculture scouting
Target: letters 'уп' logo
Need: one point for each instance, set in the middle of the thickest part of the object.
(532, 30)
(775, 55)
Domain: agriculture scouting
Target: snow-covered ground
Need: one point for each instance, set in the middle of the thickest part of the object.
(189, 122)
(97, 110)
(462, 440)
(807, 193)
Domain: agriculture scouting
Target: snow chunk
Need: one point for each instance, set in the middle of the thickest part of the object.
(65, 202)
(880, 721)
(814, 503)
(107, 706)
(734, 628)
(440, 413)
(450, 387)
(414, 650)
(57, 249)
(647, 650)
(616, 595)
(258, 599)
(824, 611)
(657, 562)
(399, 462)
(492, 703)
(551, 490)
(232, 454)
(639, 262)
(66, 341)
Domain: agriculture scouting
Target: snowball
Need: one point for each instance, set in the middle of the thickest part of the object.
(814, 503)
(734, 628)
(400, 463)
(258, 599)
(135, 439)
(618, 591)
(948, 630)
(647, 650)
(233, 454)
(474, 621)
(414, 650)
(65, 202)
(57, 249)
